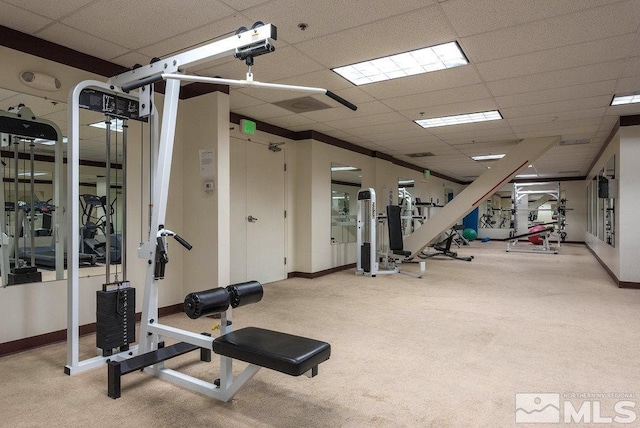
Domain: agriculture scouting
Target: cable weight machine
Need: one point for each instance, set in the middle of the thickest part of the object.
(294, 355)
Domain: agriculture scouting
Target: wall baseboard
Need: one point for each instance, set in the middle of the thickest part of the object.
(620, 284)
(311, 275)
(61, 335)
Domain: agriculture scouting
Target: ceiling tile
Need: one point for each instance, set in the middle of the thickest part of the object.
(325, 18)
(134, 24)
(422, 101)
(472, 17)
(50, 9)
(557, 109)
(475, 106)
(597, 51)
(331, 116)
(380, 38)
(241, 5)
(414, 132)
(566, 93)
(628, 85)
(291, 120)
(563, 30)
(21, 20)
(213, 31)
(557, 79)
(364, 121)
(82, 42)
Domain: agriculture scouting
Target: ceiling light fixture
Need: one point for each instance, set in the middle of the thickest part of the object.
(459, 119)
(35, 174)
(487, 157)
(344, 168)
(49, 142)
(116, 125)
(434, 58)
(625, 99)
(40, 81)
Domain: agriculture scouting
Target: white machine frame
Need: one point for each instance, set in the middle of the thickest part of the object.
(152, 332)
(550, 239)
(367, 224)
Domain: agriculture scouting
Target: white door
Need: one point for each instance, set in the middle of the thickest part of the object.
(258, 206)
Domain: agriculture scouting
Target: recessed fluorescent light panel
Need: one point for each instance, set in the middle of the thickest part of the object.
(35, 174)
(49, 142)
(459, 119)
(116, 125)
(344, 168)
(625, 99)
(440, 57)
(487, 157)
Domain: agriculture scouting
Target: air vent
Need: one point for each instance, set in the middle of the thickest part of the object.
(302, 105)
(568, 172)
(420, 155)
(574, 142)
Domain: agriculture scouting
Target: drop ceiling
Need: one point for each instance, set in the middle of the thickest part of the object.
(549, 67)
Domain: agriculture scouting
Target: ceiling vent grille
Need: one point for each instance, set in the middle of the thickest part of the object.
(420, 155)
(574, 142)
(302, 105)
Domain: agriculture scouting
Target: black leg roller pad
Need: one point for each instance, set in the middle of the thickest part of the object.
(286, 353)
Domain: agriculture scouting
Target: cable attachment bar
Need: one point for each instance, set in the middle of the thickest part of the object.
(162, 250)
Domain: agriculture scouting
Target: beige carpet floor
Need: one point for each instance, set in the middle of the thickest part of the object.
(451, 349)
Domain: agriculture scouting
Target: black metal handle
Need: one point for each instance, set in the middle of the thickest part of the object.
(142, 82)
(182, 242)
(342, 101)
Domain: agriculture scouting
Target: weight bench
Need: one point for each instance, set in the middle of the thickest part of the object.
(443, 248)
(285, 353)
(282, 352)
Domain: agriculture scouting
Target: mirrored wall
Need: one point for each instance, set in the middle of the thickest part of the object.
(601, 206)
(33, 222)
(346, 180)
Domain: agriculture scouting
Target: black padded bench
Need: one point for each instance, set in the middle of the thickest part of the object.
(286, 353)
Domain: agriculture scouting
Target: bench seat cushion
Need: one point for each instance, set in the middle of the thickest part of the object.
(286, 353)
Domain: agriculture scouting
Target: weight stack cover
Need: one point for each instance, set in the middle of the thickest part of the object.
(115, 318)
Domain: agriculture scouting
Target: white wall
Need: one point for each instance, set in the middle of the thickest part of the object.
(621, 259)
(628, 204)
(204, 126)
(314, 251)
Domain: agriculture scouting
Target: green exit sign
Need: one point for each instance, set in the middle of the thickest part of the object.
(247, 126)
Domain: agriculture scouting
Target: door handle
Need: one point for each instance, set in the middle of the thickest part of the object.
(252, 219)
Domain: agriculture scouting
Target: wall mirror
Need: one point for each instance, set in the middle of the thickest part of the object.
(608, 191)
(495, 212)
(346, 180)
(32, 223)
(412, 209)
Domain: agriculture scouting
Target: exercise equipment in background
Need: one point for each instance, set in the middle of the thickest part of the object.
(543, 228)
(19, 126)
(373, 257)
